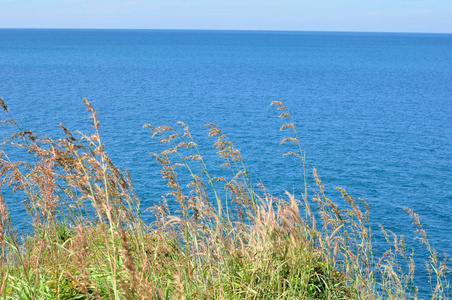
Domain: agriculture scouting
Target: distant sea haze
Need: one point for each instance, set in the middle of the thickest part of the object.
(373, 110)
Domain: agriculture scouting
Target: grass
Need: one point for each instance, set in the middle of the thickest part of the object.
(90, 242)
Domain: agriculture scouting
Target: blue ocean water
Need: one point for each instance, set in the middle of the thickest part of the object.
(373, 110)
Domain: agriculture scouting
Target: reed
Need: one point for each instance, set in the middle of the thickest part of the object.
(89, 240)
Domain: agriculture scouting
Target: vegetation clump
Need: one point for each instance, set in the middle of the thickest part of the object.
(228, 239)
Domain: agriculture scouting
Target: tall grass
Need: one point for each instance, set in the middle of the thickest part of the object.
(228, 239)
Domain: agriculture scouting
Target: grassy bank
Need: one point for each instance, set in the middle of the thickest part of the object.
(90, 242)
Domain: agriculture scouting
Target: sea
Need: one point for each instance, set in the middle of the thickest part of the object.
(373, 110)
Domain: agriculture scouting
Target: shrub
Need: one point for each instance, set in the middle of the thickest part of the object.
(89, 240)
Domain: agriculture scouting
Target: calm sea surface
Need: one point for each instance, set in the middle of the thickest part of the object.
(374, 110)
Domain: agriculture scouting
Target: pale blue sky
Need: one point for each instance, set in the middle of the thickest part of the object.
(325, 15)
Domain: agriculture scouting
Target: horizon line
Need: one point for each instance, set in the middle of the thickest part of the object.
(243, 30)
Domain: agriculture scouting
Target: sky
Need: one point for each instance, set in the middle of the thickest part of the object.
(303, 15)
